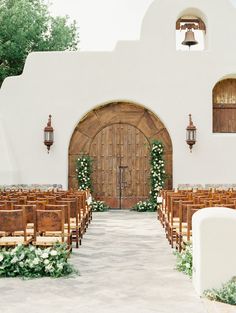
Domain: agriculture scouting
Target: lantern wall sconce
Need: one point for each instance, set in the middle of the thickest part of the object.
(191, 133)
(48, 134)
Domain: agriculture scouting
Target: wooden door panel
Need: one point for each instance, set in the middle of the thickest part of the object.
(121, 165)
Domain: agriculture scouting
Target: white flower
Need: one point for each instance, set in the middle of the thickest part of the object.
(49, 268)
(35, 261)
(188, 265)
(60, 266)
(44, 255)
(22, 256)
(1, 257)
(13, 251)
(38, 252)
(14, 260)
(53, 252)
(46, 262)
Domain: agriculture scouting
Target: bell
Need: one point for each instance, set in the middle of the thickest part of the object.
(189, 39)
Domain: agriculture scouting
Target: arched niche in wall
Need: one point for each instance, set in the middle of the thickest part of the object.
(118, 136)
(224, 106)
(190, 22)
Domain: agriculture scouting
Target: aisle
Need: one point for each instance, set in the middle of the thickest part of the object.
(126, 266)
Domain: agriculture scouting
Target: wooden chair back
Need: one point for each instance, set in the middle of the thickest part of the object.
(49, 220)
(29, 211)
(73, 204)
(40, 205)
(64, 207)
(8, 204)
(2, 207)
(191, 209)
(12, 221)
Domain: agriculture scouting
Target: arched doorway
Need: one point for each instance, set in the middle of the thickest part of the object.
(118, 136)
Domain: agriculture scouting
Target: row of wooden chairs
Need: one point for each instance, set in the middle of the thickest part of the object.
(178, 207)
(77, 213)
(48, 228)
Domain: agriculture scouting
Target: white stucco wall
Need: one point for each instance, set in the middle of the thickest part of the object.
(149, 72)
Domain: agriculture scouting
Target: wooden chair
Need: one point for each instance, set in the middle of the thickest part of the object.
(29, 214)
(2, 207)
(226, 205)
(66, 213)
(183, 232)
(12, 221)
(191, 209)
(49, 221)
(179, 224)
(75, 225)
(8, 204)
(40, 205)
(172, 215)
(83, 213)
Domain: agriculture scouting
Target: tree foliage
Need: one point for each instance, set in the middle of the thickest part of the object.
(26, 26)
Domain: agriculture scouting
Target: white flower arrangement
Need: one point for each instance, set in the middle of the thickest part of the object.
(84, 171)
(157, 178)
(32, 262)
(99, 206)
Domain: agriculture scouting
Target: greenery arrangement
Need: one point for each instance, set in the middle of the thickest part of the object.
(184, 261)
(158, 174)
(157, 178)
(99, 206)
(144, 206)
(26, 26)
(226, 294)
(32, 262)
(84, 171)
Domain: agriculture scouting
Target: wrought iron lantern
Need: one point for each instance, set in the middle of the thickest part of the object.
(191, 133)
(48, 134)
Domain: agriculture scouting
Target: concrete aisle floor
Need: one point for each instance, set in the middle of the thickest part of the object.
(126, 266)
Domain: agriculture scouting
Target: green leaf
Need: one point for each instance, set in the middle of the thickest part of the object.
(27, 26)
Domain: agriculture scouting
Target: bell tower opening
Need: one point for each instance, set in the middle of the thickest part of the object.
(190, 33)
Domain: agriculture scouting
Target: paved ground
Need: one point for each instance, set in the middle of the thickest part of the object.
(126, 266)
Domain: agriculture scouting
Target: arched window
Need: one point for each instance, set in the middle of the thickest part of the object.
(190, 33)
(224, 106)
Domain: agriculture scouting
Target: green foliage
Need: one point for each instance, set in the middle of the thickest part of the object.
(158, 174)
(157, 178)
(144, 206)
(32, 262)
(27, 26)
(84, 171)
(226, 294)
(184, 261)
(99, 206)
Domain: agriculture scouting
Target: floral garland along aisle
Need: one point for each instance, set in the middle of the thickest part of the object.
(157, 177)
(84, 171)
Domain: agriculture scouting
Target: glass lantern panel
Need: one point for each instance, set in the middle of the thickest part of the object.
(48, 136)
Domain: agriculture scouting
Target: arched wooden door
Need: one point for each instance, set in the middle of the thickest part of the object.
(117, 136)
(120, 154)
